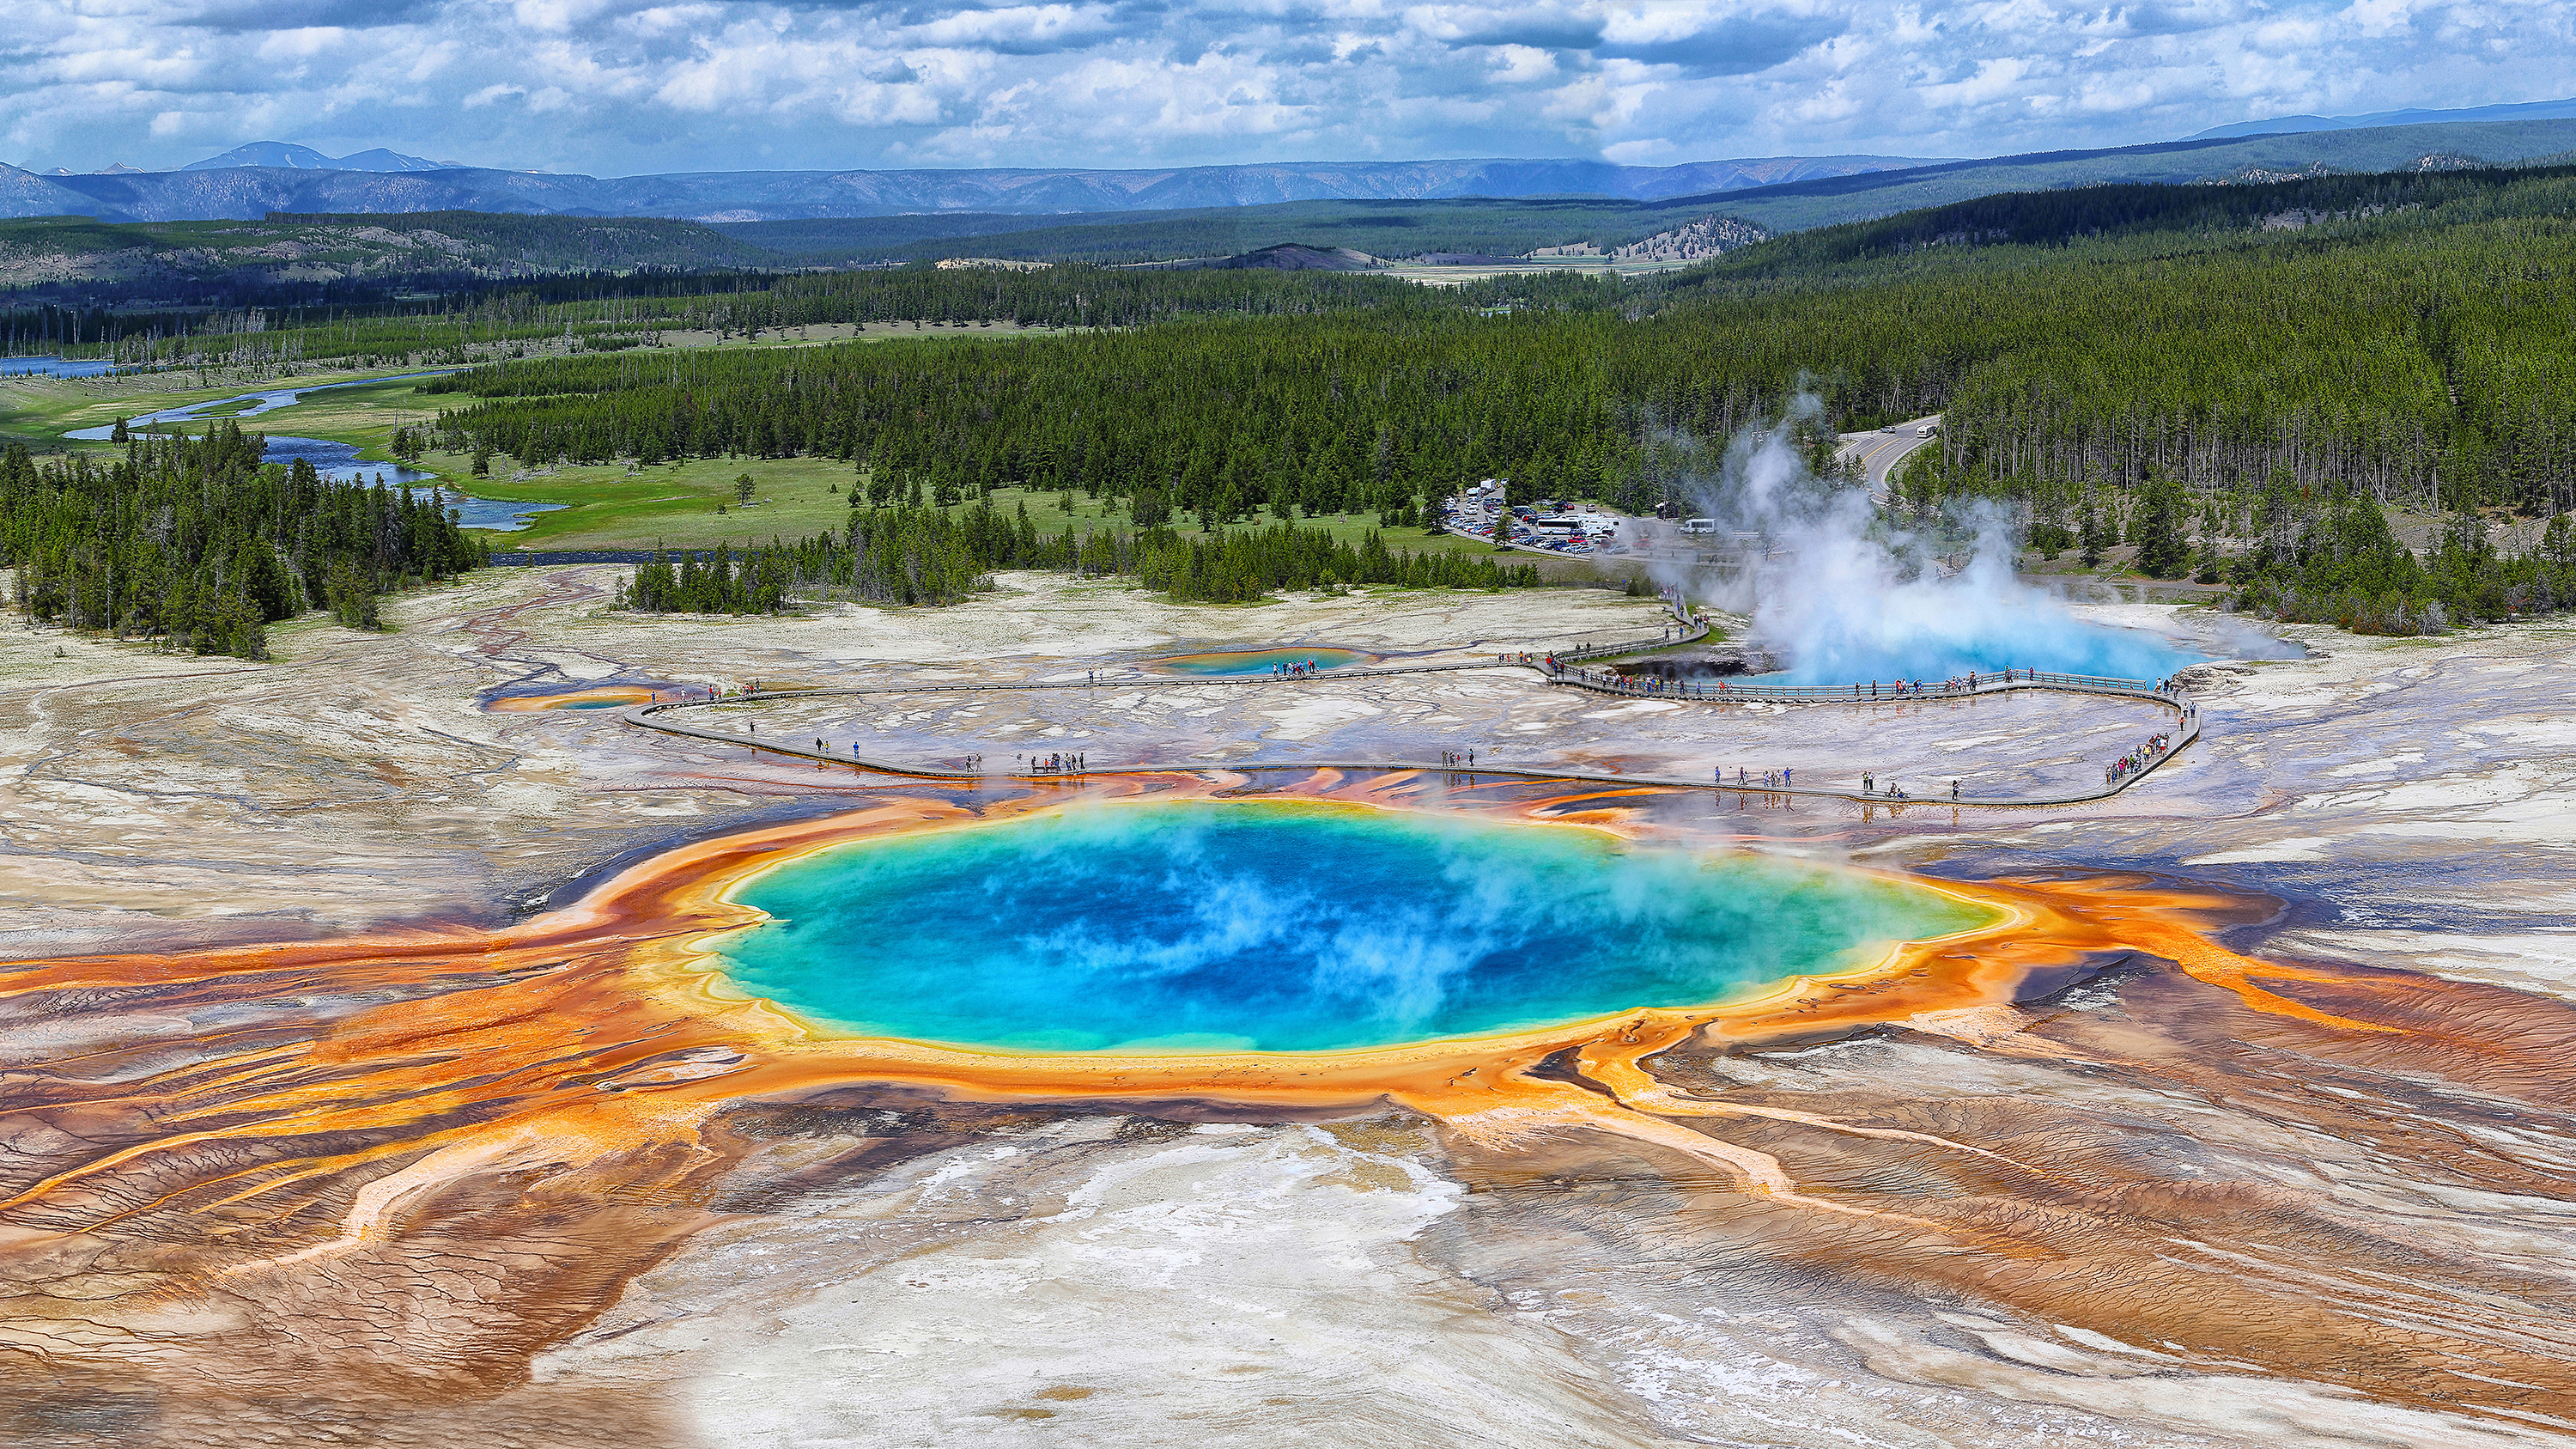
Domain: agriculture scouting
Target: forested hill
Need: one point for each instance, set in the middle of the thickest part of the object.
(603, 312)
(2413, 335)
(206, 260)
(1404, 228)
(2428, 358)
(2184, 215)
(1797, 206)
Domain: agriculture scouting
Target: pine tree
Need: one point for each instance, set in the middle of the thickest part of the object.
(2164, 549)
(2094, 534)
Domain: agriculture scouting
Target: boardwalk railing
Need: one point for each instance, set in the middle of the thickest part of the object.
(2186, 725)
(1727, 691)
(1693, 631)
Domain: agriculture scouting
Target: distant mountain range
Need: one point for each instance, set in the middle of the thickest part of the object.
(920, 207)
(2293, 125)
(305, 158)
(287, 180)
(1412, 228)
(288, 157)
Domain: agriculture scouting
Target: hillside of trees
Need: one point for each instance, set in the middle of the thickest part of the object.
(2409, 343)
(2435, 367)
(196, 544)
(207, 262)
(2227, 215)
(624, 310)
(1389, 228)
(908, 555)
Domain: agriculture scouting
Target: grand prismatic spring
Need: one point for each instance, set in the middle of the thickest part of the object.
(1264, 927)
(405, 1048)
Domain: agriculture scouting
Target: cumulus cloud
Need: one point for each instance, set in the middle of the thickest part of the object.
(615, 87)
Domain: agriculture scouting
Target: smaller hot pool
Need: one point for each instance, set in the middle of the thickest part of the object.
(585, 696)
(1263, 661)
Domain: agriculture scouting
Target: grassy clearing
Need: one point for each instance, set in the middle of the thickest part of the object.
(614, 506)
(1048, 512)
(674, 503)
(1459, 276)
(364, 415)
(40, 410)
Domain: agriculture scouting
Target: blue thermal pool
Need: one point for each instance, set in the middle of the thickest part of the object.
(1931, 652)
(1262, 926)
(1262, 661)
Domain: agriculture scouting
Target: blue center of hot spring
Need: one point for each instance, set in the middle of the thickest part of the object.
(1933, 654)
(1287, 927)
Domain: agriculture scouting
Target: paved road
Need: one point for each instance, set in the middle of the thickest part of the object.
(1880, 452)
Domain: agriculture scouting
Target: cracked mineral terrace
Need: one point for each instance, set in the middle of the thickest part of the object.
(365, 1083)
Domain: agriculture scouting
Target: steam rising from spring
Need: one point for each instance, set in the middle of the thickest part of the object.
(1841, 594)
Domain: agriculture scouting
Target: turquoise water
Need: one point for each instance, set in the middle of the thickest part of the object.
(1286, 927)
(1261, 661)
(1987, 645)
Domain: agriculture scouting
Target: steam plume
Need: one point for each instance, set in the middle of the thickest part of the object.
(1841, 594)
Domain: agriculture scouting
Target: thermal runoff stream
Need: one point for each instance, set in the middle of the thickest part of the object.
(1211, 927)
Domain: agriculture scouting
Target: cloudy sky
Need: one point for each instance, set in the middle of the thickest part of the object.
(618, 87)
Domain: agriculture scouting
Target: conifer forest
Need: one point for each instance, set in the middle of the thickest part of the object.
(197, 545)
(2237, 379)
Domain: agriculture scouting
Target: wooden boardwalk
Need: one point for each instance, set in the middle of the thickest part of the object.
(664, 717)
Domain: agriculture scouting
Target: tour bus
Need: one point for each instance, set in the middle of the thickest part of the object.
(1557, 523)
(1927, 430)
(1699, 525)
